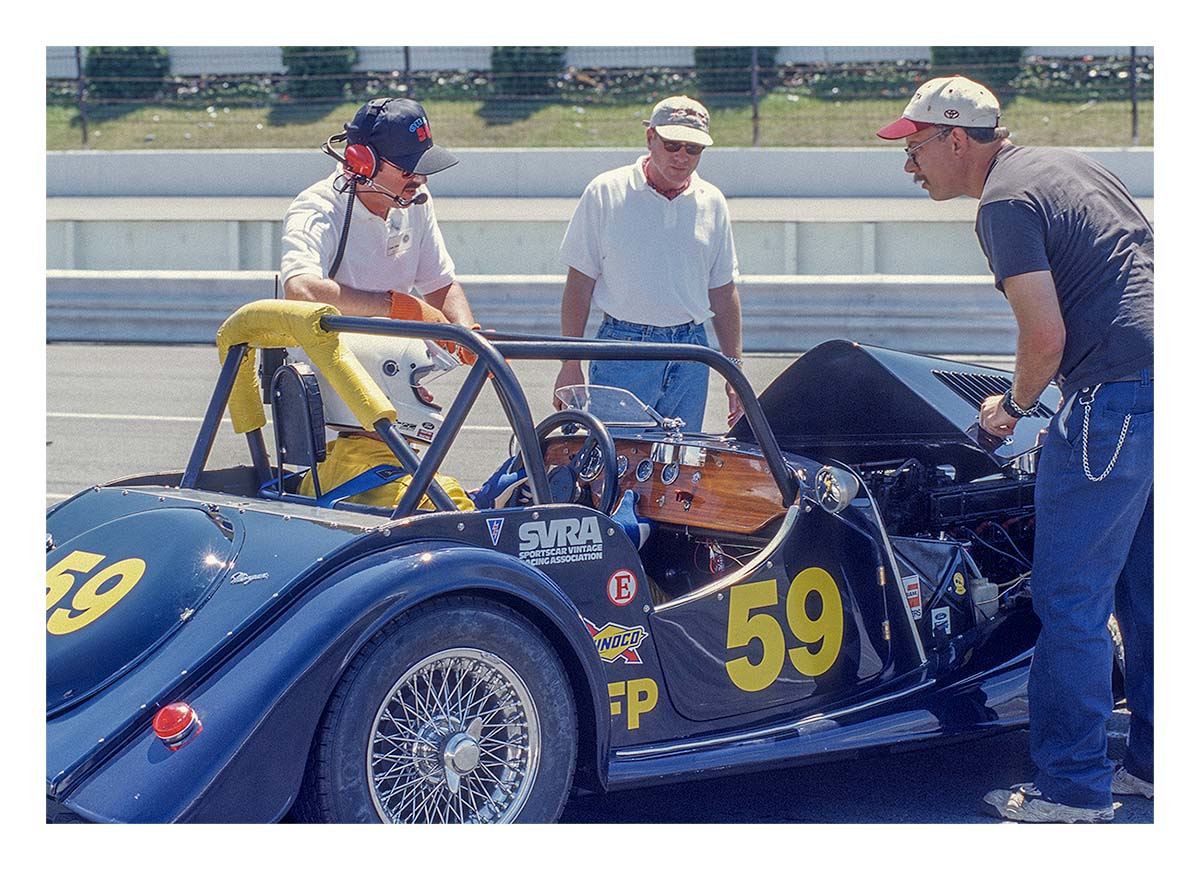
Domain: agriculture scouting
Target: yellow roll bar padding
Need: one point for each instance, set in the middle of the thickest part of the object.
(291, 323)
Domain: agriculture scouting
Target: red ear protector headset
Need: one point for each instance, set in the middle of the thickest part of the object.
(360, 158)
(363, 164)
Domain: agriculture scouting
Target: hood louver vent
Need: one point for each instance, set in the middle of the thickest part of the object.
(973, 388)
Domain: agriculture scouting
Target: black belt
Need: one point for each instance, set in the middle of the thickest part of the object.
(618, 322)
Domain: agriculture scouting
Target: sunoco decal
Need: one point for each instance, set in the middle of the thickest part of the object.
(553, 542)
(615, 642)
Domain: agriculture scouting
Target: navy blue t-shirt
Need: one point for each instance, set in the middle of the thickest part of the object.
(1053, 209)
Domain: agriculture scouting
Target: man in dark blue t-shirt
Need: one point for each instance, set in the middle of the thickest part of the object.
(1074, 256)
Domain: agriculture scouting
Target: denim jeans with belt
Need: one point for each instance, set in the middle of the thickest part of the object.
(673, 388)
(1093, 555)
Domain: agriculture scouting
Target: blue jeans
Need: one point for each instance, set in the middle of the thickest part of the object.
(673, 388)
(1093, 555)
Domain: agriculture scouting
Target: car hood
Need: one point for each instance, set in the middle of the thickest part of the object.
(857, 403)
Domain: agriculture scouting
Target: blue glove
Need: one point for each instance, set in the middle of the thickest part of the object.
(503, 487)
(626, 517)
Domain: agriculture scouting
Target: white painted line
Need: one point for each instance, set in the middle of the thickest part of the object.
(148, 418)
(143, 418)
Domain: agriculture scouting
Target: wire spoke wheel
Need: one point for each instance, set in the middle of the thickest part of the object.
(420, 729)
(456, 740)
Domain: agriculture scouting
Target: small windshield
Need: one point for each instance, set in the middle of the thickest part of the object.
(612, 405)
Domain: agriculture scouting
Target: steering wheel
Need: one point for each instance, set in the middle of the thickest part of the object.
(591, 473)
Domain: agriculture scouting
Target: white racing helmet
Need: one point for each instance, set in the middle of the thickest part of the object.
(400, 367)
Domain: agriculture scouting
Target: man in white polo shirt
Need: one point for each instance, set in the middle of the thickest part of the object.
(651, 245)
(390, 254)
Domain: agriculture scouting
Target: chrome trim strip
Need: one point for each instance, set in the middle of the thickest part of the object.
(798, 726)
(764, 555)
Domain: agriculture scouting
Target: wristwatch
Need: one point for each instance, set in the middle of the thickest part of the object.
(1013, 409)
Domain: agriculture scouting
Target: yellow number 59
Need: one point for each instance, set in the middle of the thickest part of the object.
(823, 631)
(95, 597)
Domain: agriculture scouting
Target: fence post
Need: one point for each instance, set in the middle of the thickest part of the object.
(83, 121)
(408, 72)
(754, 92)
(1133, 90)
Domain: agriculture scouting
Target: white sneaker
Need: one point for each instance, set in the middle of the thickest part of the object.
(1126, 783)
(1024, 803)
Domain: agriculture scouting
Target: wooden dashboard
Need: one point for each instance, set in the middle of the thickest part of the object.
(689, 485)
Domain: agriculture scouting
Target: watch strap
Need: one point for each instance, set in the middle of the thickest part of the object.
(1013, 409)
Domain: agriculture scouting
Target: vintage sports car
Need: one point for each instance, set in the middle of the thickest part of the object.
(621, 604)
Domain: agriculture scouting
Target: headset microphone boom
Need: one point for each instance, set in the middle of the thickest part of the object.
(361, 164)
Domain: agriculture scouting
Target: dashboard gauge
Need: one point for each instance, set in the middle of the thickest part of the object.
(644, 470)
(669, 473)
(592, 465)
(622, 465)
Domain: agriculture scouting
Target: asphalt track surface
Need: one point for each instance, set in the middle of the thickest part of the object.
(116, 410)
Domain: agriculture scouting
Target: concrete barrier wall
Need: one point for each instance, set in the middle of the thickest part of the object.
(930, 314)
(520, 172)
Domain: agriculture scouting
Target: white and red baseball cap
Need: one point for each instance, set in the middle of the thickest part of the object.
(955, 101)
(681, 119)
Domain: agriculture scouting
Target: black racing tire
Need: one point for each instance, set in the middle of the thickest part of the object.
(459, 711)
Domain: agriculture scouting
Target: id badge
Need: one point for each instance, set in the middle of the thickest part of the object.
(399, 242)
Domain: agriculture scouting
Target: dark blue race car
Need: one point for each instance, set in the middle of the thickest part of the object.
(621, 604)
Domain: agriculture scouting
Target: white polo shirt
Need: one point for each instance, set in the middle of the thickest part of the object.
(403, 252)
(653, 259)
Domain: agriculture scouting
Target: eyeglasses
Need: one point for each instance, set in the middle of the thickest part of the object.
(672, 146)
(911, 153)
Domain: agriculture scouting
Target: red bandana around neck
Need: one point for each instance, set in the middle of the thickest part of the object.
(669, 194)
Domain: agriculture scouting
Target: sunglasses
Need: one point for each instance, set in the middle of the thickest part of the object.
(404, 172)
(911, 153)
(672, 146)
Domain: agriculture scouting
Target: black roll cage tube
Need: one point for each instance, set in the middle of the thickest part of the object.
(492, 350)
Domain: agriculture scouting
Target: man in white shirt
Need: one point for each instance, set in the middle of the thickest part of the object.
(651, 245)
(391, 250)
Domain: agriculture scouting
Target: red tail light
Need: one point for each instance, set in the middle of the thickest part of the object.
(177, 725)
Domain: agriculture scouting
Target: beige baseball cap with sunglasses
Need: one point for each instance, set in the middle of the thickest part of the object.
(954, 101)
(681, 119)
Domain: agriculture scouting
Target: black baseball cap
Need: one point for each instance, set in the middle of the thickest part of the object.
(399, 132)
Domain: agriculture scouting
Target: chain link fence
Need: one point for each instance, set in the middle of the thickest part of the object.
(527, 96)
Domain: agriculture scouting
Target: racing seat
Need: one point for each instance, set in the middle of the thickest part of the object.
(299, 422)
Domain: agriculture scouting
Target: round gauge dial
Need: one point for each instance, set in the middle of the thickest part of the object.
(591, 465)
(644, 470)
(669, 473)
